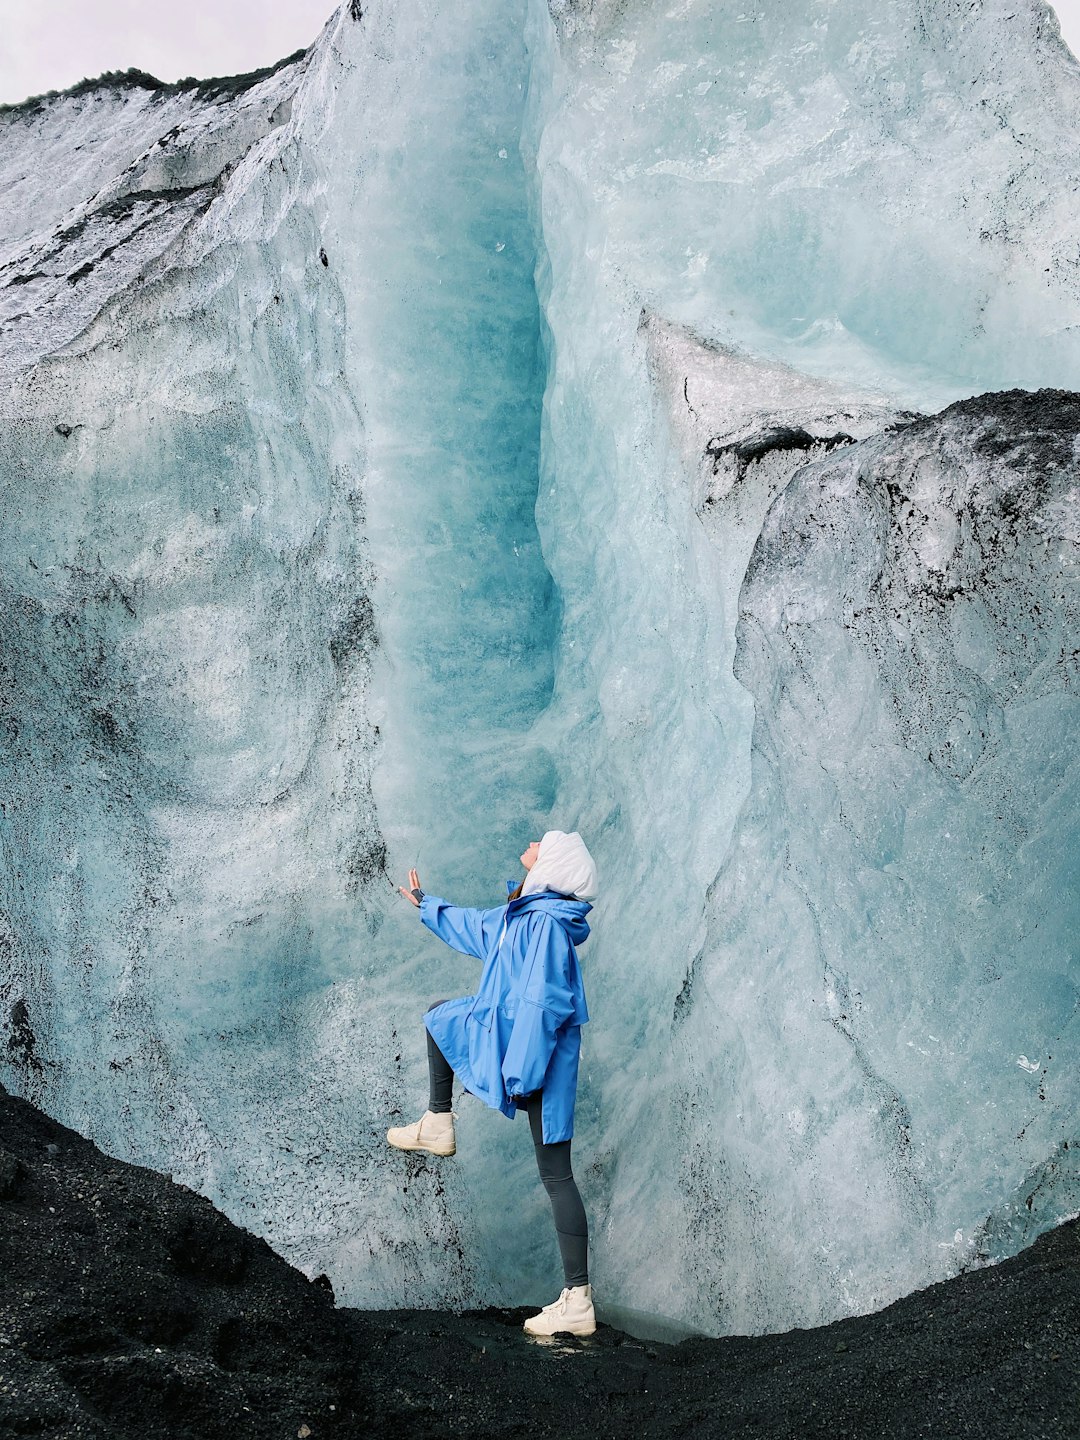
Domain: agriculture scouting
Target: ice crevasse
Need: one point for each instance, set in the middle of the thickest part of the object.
(655, 421)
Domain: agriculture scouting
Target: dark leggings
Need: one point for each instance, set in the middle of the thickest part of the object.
(553, 1162)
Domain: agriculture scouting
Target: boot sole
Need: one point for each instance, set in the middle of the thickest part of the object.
(562, 1330)
(431, 1150)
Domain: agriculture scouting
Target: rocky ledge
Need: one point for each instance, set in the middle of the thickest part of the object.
(130, 1307)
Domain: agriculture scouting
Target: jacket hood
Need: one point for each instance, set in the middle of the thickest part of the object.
(569, 913)
(563, 864)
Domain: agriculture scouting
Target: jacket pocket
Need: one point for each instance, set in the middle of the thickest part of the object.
(481, 1015)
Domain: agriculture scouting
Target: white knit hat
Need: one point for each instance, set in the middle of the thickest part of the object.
(563, 864)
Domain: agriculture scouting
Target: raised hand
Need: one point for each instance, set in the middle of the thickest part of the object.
(414, 884)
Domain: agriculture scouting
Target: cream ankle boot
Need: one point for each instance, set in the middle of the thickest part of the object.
(434, 1133)
(572, 1311)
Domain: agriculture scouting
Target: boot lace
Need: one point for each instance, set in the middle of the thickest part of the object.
(560, 1303)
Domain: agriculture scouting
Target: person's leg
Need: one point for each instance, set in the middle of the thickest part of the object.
(571, 1226)
(434, 1131)
(440, 1075)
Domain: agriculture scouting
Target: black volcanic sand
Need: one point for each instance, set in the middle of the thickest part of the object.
(130, 1307)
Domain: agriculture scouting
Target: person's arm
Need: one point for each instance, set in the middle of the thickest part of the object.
(546, 1001)
(470, 931)
(457, 926)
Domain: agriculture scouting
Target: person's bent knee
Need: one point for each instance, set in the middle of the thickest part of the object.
(555, 1182)
(434, 1007)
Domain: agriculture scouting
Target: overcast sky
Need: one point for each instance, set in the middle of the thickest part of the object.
(50, 44)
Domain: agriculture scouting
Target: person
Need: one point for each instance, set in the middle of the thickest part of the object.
(516, 1043)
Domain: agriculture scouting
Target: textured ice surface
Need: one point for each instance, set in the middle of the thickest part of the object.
(904, 872)
(506, 417)
(727, 200)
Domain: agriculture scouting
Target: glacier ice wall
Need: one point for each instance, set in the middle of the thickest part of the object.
(735, 213)
(260, 534)
(188, 629)
(508, 416)
(904, 871)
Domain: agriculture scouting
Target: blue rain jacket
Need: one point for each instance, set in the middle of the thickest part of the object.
(521, 1031)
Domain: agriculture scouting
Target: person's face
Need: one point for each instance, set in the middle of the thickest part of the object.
(529, 857)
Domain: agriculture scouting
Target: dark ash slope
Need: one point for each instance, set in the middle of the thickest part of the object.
(130, 1307)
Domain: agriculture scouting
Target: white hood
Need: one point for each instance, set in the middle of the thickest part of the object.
(563, 864)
